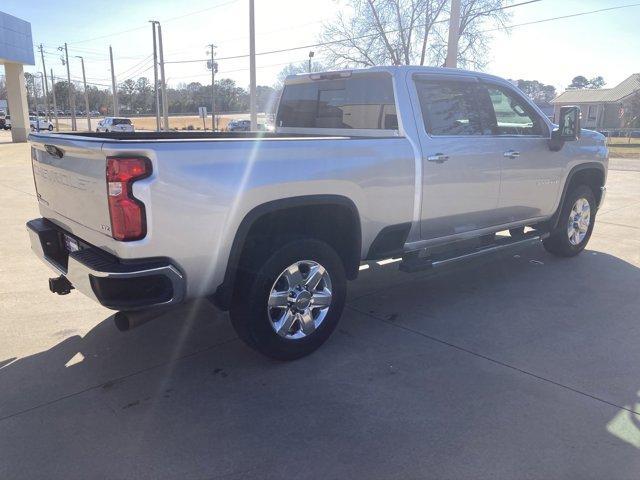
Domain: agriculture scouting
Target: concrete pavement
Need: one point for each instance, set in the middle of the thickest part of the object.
(518, 366)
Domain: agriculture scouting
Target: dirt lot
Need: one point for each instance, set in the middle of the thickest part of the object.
(522, 366)
(178, 122)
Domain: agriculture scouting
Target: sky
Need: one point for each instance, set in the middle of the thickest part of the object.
(605, 43)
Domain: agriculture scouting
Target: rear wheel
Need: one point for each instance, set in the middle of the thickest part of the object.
(287, 305)
(575, 224)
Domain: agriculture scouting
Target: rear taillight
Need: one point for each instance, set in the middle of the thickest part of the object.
(128, 219)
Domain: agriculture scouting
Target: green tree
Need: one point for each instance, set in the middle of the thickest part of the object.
(538, 92)
(581, 81)
(143, 97)
(126, 93)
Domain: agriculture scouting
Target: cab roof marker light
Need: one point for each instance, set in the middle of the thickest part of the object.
(330, 75)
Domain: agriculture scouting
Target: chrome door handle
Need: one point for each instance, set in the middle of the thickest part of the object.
(438, 158)
(511, 154)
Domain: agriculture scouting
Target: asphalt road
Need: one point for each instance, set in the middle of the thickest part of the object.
(519, 366)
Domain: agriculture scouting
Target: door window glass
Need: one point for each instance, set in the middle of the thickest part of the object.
(511, 114)
(449, 107)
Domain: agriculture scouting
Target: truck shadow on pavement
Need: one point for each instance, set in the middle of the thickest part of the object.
(184, 383)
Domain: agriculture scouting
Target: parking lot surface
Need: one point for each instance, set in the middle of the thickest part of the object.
(515, 366)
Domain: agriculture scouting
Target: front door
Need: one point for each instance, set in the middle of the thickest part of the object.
(531, 172)
(460, 171)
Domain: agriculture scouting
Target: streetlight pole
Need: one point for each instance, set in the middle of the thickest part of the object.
(46, 85)
(86, 93)
(35, 96)
(214, 69)
(72, 96)
(155, 75)
(311, 54)
(253, 107)
(55, 105)
(114, 86)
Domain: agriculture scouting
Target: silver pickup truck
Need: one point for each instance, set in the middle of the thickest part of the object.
(427, 164)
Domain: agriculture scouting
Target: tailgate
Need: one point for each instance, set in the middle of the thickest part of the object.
(70, 180)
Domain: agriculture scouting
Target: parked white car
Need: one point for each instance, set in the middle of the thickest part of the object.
(115, 124)
(37, 123)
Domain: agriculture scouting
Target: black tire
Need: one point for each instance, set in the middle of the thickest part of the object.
(558, 243)
(249, 313)
(50, 128)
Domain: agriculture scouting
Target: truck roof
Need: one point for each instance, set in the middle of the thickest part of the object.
(393, 70)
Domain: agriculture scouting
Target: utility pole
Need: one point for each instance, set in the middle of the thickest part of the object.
(72, 97)
(311, 54)
(86, 94)
(114, 86)
(55, 105)
(46, 85)
(163, 81)
(454, 31)
(214, 69)
(155, 75)
(252, 68)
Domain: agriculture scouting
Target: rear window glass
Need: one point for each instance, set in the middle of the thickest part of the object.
(121, 121)
(353, 103)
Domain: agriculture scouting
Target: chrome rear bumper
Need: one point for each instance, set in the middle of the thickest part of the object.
(113, 282)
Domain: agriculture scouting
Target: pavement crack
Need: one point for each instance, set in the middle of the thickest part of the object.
(493, 360)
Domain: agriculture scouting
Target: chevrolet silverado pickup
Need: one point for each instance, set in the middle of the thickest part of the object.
(432, 165)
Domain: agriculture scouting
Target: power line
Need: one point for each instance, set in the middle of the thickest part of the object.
(332, 42)
(579, 14)
(142, 62)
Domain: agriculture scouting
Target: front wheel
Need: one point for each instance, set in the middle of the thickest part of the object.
(575, 224)
(287, 305)
(50, 128)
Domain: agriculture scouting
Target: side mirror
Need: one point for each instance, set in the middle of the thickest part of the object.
(568, 129)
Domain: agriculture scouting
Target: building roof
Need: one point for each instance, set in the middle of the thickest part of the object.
(601, 95)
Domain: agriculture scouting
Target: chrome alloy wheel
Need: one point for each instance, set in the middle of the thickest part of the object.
(579, 220)
(300, 299)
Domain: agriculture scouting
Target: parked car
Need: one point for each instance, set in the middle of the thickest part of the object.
(239, 126)
(426, 164)
(37, 123)
(115, 124)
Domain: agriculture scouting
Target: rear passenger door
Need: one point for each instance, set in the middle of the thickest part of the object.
(530, 171)
(460, 168)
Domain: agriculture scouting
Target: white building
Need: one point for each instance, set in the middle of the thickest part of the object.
(16, 50)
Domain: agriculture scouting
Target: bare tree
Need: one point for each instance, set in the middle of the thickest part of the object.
(295, 69)
(410, 32)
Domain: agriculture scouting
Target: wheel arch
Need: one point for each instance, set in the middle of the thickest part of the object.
(347, 244)
(592, 174)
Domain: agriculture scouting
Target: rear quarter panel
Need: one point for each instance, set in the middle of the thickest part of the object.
(201, 190)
